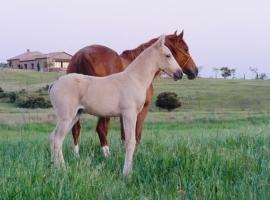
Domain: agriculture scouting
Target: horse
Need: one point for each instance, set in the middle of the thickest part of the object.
(98, 60)
(121, 94)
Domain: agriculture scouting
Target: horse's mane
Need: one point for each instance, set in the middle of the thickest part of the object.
(133, 53)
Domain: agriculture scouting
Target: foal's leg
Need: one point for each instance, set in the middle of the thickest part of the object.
(141, 117)
(129, 123)
(57, 138)
(102, 130)
(76, 137)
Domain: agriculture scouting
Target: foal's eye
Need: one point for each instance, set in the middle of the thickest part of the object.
(168, 55)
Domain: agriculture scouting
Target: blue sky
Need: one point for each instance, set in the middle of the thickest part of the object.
(219, 33)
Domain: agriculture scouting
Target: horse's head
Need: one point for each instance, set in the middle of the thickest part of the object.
(180, 51)
(166, 61)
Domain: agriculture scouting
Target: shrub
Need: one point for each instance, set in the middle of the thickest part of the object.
(12, 97)
(32, 102)
(168, 100)
(2, 93)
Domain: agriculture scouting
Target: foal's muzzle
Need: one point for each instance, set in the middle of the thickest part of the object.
(178, 75)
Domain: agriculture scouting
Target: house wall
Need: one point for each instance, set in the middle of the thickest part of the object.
(29, 64)
(41, 64)
(58, 64)
(14, 64)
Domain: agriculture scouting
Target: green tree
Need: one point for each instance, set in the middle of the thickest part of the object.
(225, 72)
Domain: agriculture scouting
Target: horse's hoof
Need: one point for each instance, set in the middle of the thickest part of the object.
(76, 151)
(106, 151)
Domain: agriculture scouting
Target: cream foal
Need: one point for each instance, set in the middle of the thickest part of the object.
(121, 94)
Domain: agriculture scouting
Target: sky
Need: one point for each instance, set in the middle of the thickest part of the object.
(224, 33)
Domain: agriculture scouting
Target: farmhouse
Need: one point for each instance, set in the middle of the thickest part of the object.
(34, 60)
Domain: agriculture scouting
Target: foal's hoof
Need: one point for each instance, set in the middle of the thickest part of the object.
(105, 151)
(127, 172)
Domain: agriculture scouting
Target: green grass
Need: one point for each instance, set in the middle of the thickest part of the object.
(11, 80)
(216, 146)
(197, 160)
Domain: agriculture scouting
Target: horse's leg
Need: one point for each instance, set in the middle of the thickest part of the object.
(143, 113)
(102, 130)
(76, 137)
(122, 130)
(129, 123)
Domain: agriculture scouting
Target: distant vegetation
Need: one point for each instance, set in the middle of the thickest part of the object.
(168, 100)
(27, 99)
(226, 72)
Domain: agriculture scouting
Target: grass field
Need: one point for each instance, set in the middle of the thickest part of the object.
(216, 146)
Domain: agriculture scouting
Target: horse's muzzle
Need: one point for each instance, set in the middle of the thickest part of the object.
(178, 75)
(192, 74)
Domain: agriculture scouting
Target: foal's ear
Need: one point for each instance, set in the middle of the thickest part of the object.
(161, 41)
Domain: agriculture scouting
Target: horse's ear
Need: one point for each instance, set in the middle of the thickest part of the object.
(161, 41)
(181, 34)
(175, 33)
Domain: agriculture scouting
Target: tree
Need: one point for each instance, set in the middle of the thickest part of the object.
(254, 70)
(3, 65)
(262, 76)
(216, 70)
(225, 72)
(233, 70)
(168, 100)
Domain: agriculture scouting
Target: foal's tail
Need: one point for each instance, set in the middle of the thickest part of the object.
(50, 87)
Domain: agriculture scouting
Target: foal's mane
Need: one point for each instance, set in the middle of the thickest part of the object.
(133, 53)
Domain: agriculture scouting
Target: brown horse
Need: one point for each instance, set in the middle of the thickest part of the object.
(97, 60)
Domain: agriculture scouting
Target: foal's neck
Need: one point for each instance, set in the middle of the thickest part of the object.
(143, 68)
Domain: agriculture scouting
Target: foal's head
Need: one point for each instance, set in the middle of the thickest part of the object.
(165, 60)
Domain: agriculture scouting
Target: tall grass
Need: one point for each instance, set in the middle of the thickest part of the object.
(197, 160)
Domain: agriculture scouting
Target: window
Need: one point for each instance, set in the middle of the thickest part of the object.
(32, 65)
(25, 66)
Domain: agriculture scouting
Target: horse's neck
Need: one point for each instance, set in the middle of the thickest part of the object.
(128, 56)
(143, 68)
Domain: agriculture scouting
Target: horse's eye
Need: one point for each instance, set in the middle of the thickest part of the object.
(168, 55)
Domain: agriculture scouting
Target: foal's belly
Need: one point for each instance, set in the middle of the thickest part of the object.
(102, 105)
(101, 112)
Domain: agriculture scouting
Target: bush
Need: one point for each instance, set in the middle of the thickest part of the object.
(2, 93)
(23, 99)
(32, 102)
(12, 97)
(168, 100)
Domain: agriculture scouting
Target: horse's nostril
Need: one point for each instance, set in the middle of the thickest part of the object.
(196, 71)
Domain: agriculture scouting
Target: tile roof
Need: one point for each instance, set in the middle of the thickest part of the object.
(33, 55)
(29, 55)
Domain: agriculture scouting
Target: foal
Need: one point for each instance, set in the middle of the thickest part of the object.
(121, 94)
